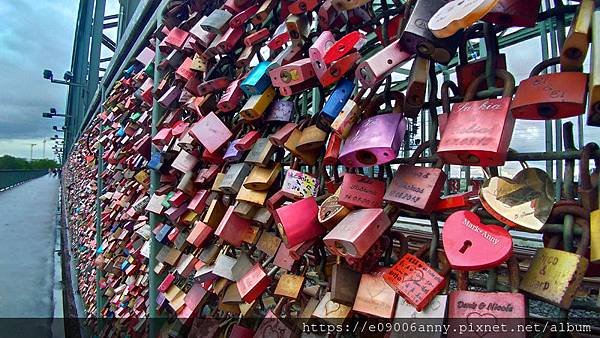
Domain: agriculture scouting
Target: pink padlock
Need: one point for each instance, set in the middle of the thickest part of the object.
(357, 232)
(358, 191)
(211, 132)
(317, 51)
(374, 141)
(292, 73)
(233, 228)
(231, 97)
(297, 222)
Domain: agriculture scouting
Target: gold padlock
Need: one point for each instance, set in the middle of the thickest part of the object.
(214, 214)
(262, 179)
(555, 275)
(256, 105)
(290, 284)
(312, 138)
(576, 45)
(290, 145)
(251, 196)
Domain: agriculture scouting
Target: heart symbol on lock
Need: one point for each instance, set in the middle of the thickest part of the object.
(474, 319)
(524, 201)
(331, 307)
(471, 245)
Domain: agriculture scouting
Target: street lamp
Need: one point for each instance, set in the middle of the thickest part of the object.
(68, 77)
(62, 129)
(53, 113)
(56, 138)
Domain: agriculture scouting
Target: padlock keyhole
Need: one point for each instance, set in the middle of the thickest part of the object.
(466, 245)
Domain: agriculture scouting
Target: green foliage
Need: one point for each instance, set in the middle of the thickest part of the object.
(9, 162)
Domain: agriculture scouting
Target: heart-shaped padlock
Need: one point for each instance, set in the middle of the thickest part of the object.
(524, 201)
(471, 245)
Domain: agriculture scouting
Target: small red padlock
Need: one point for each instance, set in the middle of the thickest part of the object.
(359, 191)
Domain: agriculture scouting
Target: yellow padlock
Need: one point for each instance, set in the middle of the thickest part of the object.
(577, 43)
(256, 105)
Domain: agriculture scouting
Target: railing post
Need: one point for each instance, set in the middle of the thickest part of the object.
(154, 184)
(99, 188)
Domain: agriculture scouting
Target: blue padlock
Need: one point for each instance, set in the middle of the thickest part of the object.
(335, 103)
(161, 236)
(155, 162)
(258, 80)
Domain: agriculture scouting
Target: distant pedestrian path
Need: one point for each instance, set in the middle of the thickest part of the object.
(27, 237)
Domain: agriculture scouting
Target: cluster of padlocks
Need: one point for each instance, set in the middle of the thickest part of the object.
(270, 177)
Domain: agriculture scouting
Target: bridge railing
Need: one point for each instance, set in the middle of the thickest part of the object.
(11, 177)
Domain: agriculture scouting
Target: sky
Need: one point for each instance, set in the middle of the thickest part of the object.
(35, 35)
(38, 34)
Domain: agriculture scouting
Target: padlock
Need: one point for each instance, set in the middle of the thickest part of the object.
(342, 124)
(555, 275)
(246, 57)
(243, 17)
(263, 12)
(374, 296)
(297, 222)
(231, 98)
(550, 96)
(417, 38)
(254, 197)
(332, 152)
(330, 311)
(344, 283)
(232, 154)
(272, 325)
(331, 212)
(339, 68)
(374, 141)
(317, 52)
(575, 47)
(257, 105)
(214, 214)
(255, 282)
(358, 191)
(281, 111)
(247, 141)
(467, 72)
(262, 179)
(525, 201)
(593, 118)
(352, 41)
(211, 132)
(312, 138)
(234, 178)
(504, 308)
(514, 13)
(280, 37)
(415, 187)
(335, 102)
(417, 85)
(232, 228)
(303, 6)
(257, 81)
(415, 281)
(471, 245)
(229, 39)
(357, 232)
(256, 37)
(290, 284)
(261, 153)
(455, 16)
(292, 73)
(479, 132)
(376, 68)
(330, 17)
(298, 26)
(308, 157)
(216, 21)
(199, 234)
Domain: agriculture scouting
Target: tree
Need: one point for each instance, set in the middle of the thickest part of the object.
(10, 162)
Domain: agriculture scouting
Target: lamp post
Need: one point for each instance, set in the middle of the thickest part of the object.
(68, 77)
(53, 113)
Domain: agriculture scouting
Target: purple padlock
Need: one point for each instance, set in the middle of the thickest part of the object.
(374, 141)
(232, 154)
(281, 111)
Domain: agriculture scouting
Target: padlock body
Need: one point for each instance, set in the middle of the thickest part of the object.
(297, 222)
(551, 96)
(357, 232)
(478, 133)
(554, 276)
(374, 141)
(358, 191)
(416, 188)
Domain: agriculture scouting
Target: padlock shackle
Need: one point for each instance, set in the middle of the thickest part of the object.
(431, 144)
(445, 94)
(582, 218)
(585, 179)
(509, 84)
(537, 69)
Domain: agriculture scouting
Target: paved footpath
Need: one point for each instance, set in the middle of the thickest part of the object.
(27, 237)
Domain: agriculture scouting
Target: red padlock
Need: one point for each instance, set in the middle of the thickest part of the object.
(298, 222)
(359, 191)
